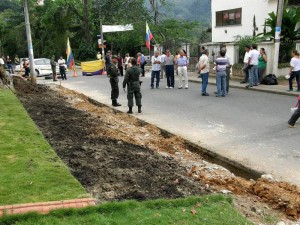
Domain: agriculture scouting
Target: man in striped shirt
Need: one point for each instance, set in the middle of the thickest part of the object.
(221, 65)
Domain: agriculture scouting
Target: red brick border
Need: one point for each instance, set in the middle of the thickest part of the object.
(46, 207)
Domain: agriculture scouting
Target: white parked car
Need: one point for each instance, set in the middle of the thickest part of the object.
(42, 67)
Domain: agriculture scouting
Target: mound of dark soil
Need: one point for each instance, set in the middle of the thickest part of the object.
(108, 169)
(26, 87)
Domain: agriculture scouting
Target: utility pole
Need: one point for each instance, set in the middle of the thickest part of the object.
(102, 39)
(29, 43)
(101, 30)
(280, 7)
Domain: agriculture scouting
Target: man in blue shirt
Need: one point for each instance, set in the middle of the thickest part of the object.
(143, 63)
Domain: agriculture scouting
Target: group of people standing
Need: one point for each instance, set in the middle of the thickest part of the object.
(222, 67)
(255, 64)
(168, 64)
(62, 67)
(131, 80)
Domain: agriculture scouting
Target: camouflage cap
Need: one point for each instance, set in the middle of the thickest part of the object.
(114, 57)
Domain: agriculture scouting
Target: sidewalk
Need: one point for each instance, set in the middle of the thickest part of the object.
(273, 89)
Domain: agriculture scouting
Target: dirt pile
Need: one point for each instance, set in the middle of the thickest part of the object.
(109, 168)
(279, 195)
(26, 87)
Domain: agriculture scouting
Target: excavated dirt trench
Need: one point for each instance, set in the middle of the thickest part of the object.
(116, 156)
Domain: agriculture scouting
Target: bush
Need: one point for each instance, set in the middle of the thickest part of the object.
(283, 65)
(243, 42)
(85, 52)
(285, 52)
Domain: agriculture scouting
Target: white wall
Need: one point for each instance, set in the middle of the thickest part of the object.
(259, 8)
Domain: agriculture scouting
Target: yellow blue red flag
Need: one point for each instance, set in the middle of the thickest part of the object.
(70, 57)
(149, 36)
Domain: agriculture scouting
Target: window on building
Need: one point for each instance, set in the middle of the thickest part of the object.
(229, 17)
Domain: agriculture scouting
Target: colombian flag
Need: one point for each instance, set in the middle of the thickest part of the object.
(70, 57)
(149, 36)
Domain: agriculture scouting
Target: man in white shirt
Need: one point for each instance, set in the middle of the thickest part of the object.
(253, 70)
(62, 69)
(204, 71)
(245, 68)
(163, 65)
(156, 67)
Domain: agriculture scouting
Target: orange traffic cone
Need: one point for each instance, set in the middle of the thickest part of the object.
(74, 73)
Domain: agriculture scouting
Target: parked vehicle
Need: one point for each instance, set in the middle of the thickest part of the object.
(42, 67)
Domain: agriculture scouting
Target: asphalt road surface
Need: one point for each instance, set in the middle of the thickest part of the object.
(246, 126)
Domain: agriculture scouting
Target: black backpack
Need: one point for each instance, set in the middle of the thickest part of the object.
(270, 79)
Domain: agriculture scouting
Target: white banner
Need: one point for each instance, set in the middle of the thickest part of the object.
(116, 28)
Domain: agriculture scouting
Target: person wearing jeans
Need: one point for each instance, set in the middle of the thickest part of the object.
(245, 67)
(253, 70)
(221, 66)
(204, 71)
(182, 63)
(295, 115)
(294, 70)
(169, 64)
(155, 74)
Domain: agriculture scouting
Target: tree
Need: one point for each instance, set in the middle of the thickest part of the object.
(289, 30)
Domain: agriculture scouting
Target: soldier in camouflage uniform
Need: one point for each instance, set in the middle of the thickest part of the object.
(113, 74)
(53, 67)
(132, 80)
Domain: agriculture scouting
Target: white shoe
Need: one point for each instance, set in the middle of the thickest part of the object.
(180, 87)
(167, 87)
(171, 87)
(186, 87)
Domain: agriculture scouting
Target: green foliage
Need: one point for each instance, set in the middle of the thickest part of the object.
(172, 33)
(289, 29)
(214, 209)
(86, 52)
(283, 65)
(243, 42)
(30, 170)
(55, 21)
(237, 66)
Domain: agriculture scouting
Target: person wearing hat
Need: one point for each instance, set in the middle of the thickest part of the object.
(112, 73)
(132, 80)
(107, 60)
(53, 67)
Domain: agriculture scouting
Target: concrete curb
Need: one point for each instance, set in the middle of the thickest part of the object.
(45, 207)
(252, 89)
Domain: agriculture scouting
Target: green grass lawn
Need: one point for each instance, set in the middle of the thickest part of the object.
(210, 210)
(30, 171)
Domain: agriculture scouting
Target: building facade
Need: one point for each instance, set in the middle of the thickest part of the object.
(234, 18)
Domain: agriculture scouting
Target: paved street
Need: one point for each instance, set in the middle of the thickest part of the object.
(249, 127)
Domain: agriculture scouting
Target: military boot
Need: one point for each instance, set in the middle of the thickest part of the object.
(130, 110)
(115, 103)
(140, 109)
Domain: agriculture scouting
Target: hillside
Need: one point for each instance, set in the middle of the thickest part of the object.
(193, 10)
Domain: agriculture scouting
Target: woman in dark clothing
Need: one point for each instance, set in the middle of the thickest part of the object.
(295, 115)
